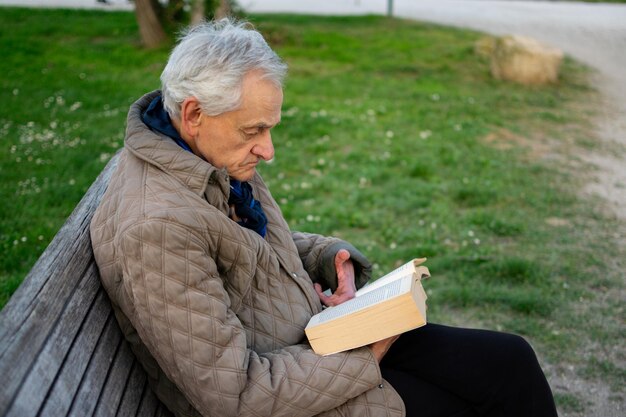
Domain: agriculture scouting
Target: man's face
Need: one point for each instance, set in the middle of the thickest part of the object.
(239, 139)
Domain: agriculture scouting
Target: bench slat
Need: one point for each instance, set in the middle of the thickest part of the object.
(72, 246)
(95, 377)
(59, 340)
(148, 406)
(131, 399)
(36, 384)
(71, 374)
(119, 374)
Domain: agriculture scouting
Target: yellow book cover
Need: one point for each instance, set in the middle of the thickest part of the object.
(393, 304)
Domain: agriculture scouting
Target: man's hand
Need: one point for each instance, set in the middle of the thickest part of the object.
(380, 348)
(346, 288)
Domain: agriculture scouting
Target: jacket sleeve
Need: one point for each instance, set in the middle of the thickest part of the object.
(318, 257)
(182, 314)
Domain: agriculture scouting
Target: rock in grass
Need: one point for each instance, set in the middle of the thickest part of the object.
(524, 60)
(485, 46)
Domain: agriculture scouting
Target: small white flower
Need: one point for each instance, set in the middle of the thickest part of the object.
(393, 245)
(435, 97)
(425, 134)
(291, 111)
(458, 127)
(75, 106)
(72, 181)
(23, 239)
(389, 134)
(476, 241)
(433, 225)
(470, 233)
(16, 91)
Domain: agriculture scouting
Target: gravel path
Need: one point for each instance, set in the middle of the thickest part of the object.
(594, 33)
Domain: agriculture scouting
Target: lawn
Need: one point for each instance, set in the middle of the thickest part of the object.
(394, 136)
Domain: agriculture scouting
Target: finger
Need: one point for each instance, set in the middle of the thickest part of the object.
(342, 256)
(340, 259)
(323, 297)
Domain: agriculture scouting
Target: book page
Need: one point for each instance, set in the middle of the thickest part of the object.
(382, 293)
(406, 269)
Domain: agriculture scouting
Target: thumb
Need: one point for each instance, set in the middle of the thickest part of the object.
(342, 256)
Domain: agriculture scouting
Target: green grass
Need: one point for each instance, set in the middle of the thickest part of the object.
(394, 137)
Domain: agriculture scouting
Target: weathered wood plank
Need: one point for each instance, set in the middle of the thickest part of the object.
(149, 404)
(47, 364)
(59, 340)
(32, 312)
(95, 377)
(117, 380)
(70, 375)
(133, 392)
(55, 259)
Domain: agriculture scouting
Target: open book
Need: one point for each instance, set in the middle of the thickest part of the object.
(393, 304)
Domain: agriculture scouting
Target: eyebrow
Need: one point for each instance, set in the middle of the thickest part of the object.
(261, 125)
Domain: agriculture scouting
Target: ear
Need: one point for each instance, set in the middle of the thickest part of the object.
(190, 117)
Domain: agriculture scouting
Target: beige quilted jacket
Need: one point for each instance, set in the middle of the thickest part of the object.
(214, 312)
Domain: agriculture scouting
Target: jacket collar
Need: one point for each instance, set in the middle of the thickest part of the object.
(161, 151)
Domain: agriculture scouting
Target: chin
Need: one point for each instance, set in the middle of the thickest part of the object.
(244, 176)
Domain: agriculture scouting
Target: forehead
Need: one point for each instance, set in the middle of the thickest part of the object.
(261, 100)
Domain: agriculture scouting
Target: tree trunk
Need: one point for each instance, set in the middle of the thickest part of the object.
(197, 12)
(223, 10)
(150, 28)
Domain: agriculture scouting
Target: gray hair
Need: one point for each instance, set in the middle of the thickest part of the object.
(209, 63)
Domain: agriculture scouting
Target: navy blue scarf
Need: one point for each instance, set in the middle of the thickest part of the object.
(247, 208)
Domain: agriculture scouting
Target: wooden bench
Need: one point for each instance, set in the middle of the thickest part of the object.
(62, 352)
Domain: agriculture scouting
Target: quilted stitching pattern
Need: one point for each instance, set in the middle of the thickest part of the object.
(212, 309)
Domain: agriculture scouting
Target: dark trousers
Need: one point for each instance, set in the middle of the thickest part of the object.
(442, 371)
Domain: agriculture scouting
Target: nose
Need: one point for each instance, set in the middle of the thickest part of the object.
(265, 148)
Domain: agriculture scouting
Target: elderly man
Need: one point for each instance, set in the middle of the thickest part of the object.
(213, 290)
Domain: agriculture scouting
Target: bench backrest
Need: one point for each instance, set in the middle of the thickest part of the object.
(61, 350)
